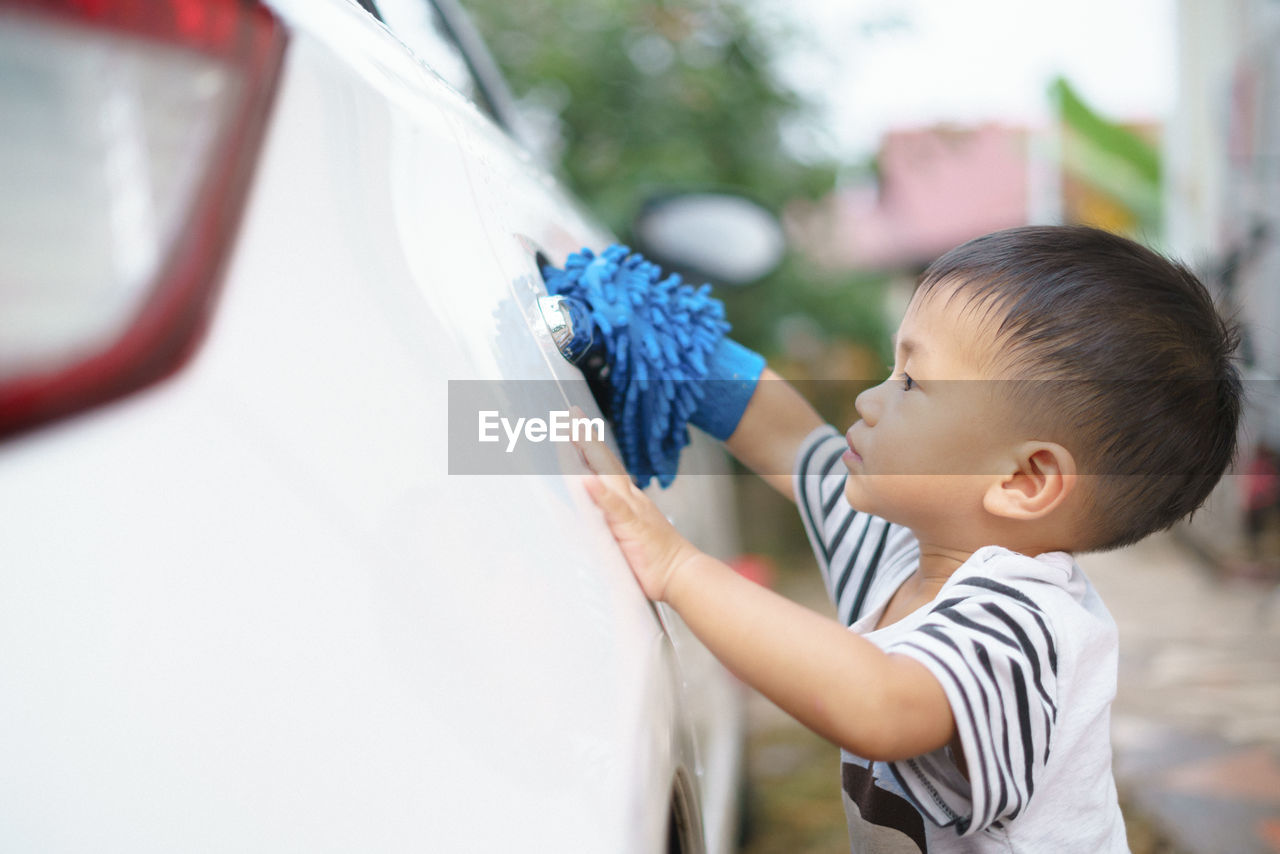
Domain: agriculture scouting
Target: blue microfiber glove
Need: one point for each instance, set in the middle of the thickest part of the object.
(658, 358)
(732, 374)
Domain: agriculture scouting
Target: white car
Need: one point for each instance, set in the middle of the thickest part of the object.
(244, 605)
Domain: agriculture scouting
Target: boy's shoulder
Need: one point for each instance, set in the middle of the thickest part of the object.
(1026, 654)
(1051, 586)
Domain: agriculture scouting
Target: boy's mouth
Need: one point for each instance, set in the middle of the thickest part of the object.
(851, 455)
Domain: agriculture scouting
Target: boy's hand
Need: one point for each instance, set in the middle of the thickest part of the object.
(654, 549)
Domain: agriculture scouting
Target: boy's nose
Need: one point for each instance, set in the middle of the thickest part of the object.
(867, 404)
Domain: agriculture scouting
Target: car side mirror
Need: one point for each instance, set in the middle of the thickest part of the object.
(726, 238)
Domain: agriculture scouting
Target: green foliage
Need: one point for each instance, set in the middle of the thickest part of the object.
(847, 306)
(668, 96)
(654, 96)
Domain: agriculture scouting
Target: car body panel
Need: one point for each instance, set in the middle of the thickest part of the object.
(250, 609)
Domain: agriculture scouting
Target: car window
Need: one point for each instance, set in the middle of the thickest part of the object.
(426, 32)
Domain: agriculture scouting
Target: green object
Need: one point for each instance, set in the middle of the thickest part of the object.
(1111, 158)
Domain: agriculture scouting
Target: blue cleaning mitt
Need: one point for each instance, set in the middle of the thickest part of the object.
(658, 357)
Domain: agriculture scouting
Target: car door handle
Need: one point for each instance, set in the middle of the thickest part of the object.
(570, 328)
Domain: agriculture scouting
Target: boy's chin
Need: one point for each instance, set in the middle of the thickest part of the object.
(864, 501)
(867, 501)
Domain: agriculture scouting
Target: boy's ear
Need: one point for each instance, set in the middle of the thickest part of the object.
(1045, 476)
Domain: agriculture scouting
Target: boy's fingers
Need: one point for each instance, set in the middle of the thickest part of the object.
(613, 505)
(595, 487)
(596, 454)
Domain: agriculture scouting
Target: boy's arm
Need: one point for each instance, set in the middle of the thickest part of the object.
(777, 419)
(880, 706)
(840, 685)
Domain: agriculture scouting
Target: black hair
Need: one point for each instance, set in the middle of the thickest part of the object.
(1118, 352)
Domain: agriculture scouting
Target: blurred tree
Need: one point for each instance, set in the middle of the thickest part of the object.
(654, 95)
(678, 95)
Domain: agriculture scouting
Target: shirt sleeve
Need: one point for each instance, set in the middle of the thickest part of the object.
(854, 550)
(993, 650)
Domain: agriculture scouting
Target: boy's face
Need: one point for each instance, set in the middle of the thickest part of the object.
(934, 433)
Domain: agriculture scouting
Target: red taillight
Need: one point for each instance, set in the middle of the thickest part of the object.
(131, 131)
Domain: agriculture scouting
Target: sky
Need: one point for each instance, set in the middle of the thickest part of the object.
(880, 64)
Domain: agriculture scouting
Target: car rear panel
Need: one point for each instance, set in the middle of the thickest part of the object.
(248, 609)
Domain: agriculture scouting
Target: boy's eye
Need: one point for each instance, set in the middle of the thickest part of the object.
(907, 382)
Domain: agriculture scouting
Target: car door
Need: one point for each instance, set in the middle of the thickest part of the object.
(528, 220)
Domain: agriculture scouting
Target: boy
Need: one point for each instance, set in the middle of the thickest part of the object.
(1054, 390)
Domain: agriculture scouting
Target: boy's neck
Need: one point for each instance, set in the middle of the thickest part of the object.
(938, 563)
(944, 548)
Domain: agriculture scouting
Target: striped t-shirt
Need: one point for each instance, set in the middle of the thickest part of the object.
(1026, 653)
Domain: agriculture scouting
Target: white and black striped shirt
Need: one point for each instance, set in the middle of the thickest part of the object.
(1026, 653)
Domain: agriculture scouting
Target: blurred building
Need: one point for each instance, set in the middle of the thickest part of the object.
(1222, 214)
(935, 188)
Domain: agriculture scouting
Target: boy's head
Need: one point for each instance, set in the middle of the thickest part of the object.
(1111, 351)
